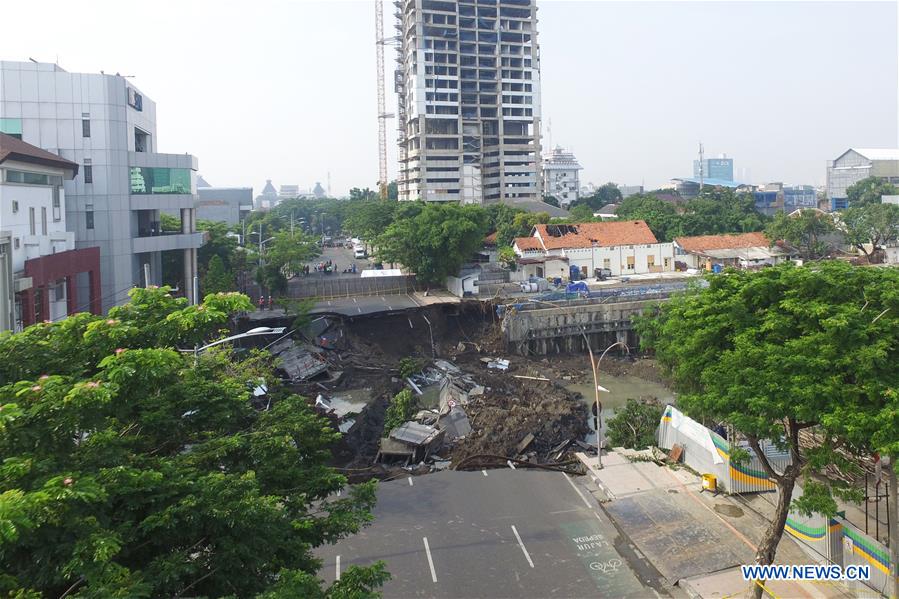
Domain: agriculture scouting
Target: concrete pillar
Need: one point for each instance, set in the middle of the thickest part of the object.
(190, 254)
(71, 295)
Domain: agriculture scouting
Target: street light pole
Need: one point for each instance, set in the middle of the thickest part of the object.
(894, 527)
(594, 364)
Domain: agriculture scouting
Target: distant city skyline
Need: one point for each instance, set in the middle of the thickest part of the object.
(286, 91)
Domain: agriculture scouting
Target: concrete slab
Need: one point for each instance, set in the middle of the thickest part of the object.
(677, 535)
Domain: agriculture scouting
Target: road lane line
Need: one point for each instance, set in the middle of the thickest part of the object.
(360, 310)
(430, 559)
(410, 323)
(410, 481)
(354, 300)
(338, 568)
(484, 472)
(578, 491)
(388, 307)
(511, 465)
(523, 548)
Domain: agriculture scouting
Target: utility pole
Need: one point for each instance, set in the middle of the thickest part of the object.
(701, 167)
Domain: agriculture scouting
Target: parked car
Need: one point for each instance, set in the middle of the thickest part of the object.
(358, 252)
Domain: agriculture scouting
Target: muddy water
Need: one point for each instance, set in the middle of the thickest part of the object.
(621, 388)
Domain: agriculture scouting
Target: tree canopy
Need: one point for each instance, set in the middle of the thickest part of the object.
(604, 195)
(805, 232)
(433, 240)
(661, 217)
(869, 191)
(783, 349)
(130, 470)
(874, 225)
(718, 210)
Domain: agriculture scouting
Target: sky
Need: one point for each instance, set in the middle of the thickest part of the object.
(286, 90)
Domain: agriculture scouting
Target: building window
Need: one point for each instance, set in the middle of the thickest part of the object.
(650, 261)
(607, 263)
(141, 140)
(15, 206)
(85, 128)
(43, 220)
(32, 224)
(12, 127)
(89, 216)
(88, 173)
(57, 205)
(16, 243)
(630, 263)
(157, 180)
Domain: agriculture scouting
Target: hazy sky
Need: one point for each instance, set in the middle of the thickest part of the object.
(286, 89)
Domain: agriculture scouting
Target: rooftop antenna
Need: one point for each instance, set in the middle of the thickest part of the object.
(701, 167)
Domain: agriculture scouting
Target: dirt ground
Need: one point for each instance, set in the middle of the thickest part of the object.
(510, 407)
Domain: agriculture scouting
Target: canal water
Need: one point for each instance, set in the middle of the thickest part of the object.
(621, 388)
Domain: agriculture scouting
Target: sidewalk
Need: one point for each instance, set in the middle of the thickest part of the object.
(696, 540)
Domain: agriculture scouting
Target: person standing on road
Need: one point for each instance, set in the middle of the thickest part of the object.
(261, 303)
(269, 302)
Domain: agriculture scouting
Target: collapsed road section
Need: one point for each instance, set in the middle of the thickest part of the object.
(465, 403)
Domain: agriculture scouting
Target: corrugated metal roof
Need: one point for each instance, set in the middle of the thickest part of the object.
(414, 433)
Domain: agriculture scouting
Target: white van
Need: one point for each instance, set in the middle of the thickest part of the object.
(359, 251)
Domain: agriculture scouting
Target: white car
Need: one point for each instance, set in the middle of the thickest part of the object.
(358, 252)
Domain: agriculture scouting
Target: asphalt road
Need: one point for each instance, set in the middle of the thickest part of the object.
(365, 304)
(343, 258)
(495, 533)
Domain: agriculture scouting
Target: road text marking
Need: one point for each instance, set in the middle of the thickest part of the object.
(523, 548)
(338, 568)
(511, 465)
(410, 481)
(578, 491)
(430, 560)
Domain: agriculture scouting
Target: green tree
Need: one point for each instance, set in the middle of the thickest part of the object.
(582, 213)
(435, 242)
(718, 210)
(869, 191)
(363, 194)
(401, 409)
(603, 196)
(507, 256)
(634, 426)
(780, 350)
(551, 200)
(217, 279)
(661, 217)
(288, 251)
(393, 191)
(220, 241)
(804, 232)
(876, 225)
(132, 470)
(369, 218)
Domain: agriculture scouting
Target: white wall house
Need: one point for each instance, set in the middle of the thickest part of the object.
(560, 176)
(38, 262)
(623, 247)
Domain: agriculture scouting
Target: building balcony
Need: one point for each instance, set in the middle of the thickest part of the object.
(166, 242)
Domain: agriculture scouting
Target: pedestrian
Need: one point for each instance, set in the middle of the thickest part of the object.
(269, 302)
(261, 302)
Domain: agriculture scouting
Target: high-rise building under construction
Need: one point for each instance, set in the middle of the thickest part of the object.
(468, 87)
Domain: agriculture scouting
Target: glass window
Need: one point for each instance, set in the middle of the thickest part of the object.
(15, 206)
(11, 127)
(43, 220)
(88, 173)
(151, 180)
(32, 224)
(57, 209)
(89, 216)
(85, 128)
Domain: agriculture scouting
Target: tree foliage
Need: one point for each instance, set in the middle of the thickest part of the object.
(876, 225)
(660, 216)
(217, 278)
(805, 232)
(433, 240)
(634, 426)
(604, 195)
(718, 210)
(369, 218)
(784, 349)
(401, 409)
(130, 471)
(869, 191)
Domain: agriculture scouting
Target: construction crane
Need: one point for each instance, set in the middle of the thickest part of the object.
(380, 42)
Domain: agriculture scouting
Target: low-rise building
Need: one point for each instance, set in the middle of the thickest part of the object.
(39, 265)
(621, 247)
(741, 250)
(229, 205)
(560, 176)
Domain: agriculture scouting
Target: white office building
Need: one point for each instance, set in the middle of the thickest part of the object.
(560, 176)
(107, 126)
(468, 88)
(856, 164)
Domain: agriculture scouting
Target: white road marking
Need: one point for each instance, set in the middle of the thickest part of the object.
(388, 307)
(511, 465)
(338, 568)
(329, 302)
(484, 472)
(523, 548)
(360, 310)
(578, 491)
(354, 300)
(430, 560)
(410, 323)
(410, 481)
